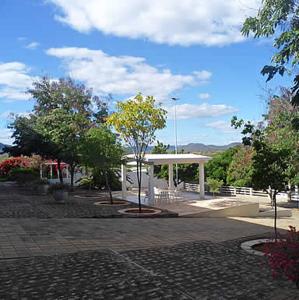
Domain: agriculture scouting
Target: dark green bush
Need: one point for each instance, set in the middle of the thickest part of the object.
(23, 175)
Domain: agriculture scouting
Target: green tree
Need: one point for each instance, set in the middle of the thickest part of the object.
(160, 148)
(63, 111)
(270, 163)
(218, 166)
(137, 120)
(280, 19)
(102, 151)
(214, 185)
(240, 169)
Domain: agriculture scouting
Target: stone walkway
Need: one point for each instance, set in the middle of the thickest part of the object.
(201, 270)
(34, 237)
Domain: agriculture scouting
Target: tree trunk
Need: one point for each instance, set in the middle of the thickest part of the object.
(289, 192)
(59, 171)
(72, 172)
(275, 214)
(108, 186)
(139, 183)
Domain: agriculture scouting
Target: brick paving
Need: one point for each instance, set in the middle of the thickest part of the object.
(196, 270)
(33, 237)
(21, 202)
(50, 255)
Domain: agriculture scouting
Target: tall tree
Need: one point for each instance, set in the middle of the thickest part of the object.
(278, 18)
(137, 120)
(63, 111)
(270, 163)
(101, 150)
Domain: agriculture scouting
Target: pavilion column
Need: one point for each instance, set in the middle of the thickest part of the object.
(170, 177)
(202, 180)
(123, 181)
(151, 192)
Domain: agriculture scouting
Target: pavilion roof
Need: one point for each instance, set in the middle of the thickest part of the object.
(161, 159)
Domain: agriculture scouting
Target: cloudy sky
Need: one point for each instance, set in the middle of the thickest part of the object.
(191, 50)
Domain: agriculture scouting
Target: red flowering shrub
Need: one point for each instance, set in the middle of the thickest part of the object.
(12, 163)
(283, 256)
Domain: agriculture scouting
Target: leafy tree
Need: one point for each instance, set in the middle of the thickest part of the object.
(137, 120)
(270, 163)
(214, 185)
(240, 169)
(160, 148)
(280, 19)
(64, 113)
(27, 139)
(218, 166)
(102, 151)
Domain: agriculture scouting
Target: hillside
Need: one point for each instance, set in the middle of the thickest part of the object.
(197, 148)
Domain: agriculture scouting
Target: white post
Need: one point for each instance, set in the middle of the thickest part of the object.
(170, 177)
(202, 180)
(250, 192)
(123, 181)
(51, 171)
(151, 193)
(41, 171)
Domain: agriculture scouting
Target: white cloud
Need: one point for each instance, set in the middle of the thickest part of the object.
(124, 75)
(14, 81)
(191, 111)
(223, 126)
(32, 45)
(174, 22)
(5, 136)
(204, 96)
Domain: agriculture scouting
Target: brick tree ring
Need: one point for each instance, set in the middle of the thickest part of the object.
(145, 212)
(115, 202)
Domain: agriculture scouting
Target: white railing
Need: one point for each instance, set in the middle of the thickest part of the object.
(233, 191)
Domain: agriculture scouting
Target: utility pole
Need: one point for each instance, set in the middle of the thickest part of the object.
(176, 142)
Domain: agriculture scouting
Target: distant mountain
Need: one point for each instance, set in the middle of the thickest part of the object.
(197, 147)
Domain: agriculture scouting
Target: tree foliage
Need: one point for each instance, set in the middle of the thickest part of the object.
(64, 110)
(240, 170)
(102, 151)
(137, 120)
(279, 18)
(218, 166)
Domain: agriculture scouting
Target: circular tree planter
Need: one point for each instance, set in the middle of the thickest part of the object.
(145, 212)
(61, 196)
(87, 196)
(255, 246)
(115, 203)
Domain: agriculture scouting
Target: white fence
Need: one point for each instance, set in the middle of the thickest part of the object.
(233, 191)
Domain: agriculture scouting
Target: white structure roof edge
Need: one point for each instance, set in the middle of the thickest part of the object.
(161, 159)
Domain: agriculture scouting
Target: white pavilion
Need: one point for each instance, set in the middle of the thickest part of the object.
(150, 160)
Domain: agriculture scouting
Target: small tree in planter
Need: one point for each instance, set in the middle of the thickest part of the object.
(101, 150)
(214, 185)
(59, 191)
(137, 120)
(270, 162)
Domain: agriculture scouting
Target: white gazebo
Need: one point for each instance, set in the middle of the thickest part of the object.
(165, 159)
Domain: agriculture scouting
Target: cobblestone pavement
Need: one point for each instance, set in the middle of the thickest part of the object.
(196, 270)
(34, 237)
(21, 202)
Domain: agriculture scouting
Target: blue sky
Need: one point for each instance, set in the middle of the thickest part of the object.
(186, 49)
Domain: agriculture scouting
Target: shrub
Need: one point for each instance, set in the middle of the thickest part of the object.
(23, 175)
(12, 163)
(283, 256)
(214, 185)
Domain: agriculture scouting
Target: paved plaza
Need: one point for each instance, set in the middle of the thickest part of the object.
(127, 258)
